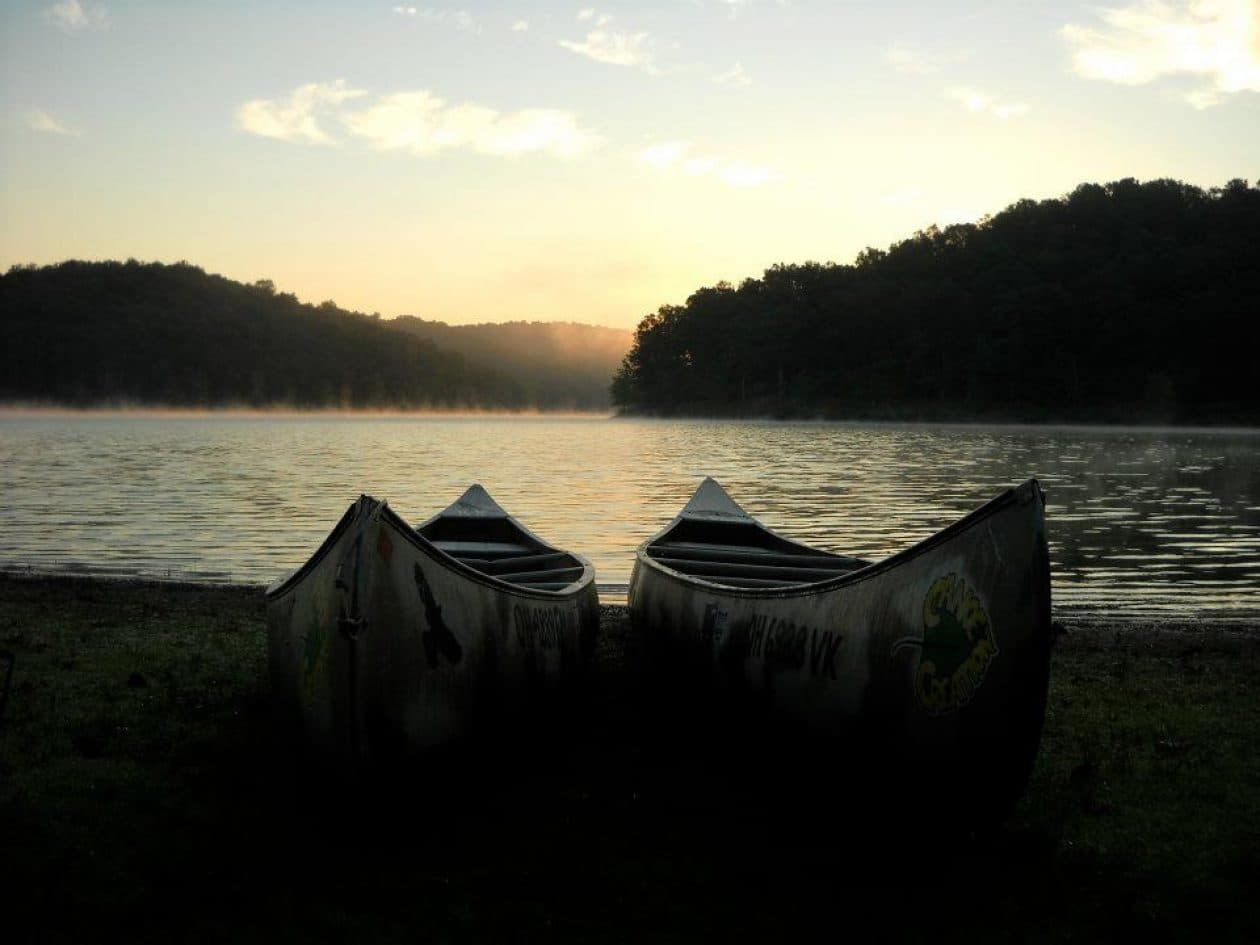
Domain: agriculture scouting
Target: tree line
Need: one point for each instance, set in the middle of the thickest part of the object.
(84, 333)
(559, 364)
(1121, 302)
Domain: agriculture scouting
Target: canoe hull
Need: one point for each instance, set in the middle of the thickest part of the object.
(384, 647)
(939, 655)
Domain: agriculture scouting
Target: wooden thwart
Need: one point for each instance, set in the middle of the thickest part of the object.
(502, 566)
(552, 574)
(748, 581)
(760, 556)
(722, 569)
(483, 549)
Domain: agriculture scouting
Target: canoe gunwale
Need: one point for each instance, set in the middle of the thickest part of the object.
(284, 585)
(468, 571)
(366, 504)
(972, 519)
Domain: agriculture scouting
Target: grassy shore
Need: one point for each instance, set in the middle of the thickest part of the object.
(143, 794)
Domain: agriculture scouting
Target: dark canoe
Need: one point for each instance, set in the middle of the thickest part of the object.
(937, 656)
(392, 639)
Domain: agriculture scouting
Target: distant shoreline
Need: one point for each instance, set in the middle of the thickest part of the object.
(937, 417)
(365, 413)
(104, 411)
(1013, 424)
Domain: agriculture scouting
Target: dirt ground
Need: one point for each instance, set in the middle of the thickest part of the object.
(144, 794)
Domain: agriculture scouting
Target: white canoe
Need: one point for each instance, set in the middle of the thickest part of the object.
(392, 639)
(939, 655)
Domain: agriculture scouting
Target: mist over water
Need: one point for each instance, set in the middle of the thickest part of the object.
(1142, 523)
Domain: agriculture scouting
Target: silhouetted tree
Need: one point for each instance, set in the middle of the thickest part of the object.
(1118, 302)
(83, 332)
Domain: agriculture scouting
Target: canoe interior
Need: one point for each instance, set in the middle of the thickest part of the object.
(744, 554)
(499, 548)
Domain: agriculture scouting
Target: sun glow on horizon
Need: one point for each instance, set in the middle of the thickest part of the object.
(495, 164)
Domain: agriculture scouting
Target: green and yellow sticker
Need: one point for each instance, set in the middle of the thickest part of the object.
(315, 652)
(958, 646)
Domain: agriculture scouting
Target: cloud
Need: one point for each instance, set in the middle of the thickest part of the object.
(461, 19)
(672, 156)
(417, 122)
(734, 6)
(663, 155)
(423, 124)
(296, 118)
(613, 48)
(982, 104)
(905, 58)
(72, 15)
(735, 76)
(1214, 41)
(39, 120)
(520, 26)
(616, 49)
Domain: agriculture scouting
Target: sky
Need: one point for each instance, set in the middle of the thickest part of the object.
(562, 161)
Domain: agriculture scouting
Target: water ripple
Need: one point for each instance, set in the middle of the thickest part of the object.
(1142, 523)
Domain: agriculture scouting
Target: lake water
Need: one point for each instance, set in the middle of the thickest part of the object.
(1142, 523)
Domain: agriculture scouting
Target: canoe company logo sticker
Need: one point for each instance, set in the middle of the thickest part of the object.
(957, 648)
(435, 636)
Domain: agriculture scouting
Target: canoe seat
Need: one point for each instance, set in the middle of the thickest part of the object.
(536, 568)
(749, 566)
(513, 563)
(483, 549)
(548, 574)
(477, 533)
(752, 555)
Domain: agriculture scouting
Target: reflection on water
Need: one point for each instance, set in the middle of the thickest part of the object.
(1142, 523)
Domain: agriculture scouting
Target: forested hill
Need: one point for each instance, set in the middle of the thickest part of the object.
(87, 333)
(1124, 302)
(560, 363)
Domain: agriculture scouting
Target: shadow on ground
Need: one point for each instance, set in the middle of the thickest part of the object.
(145, 794)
